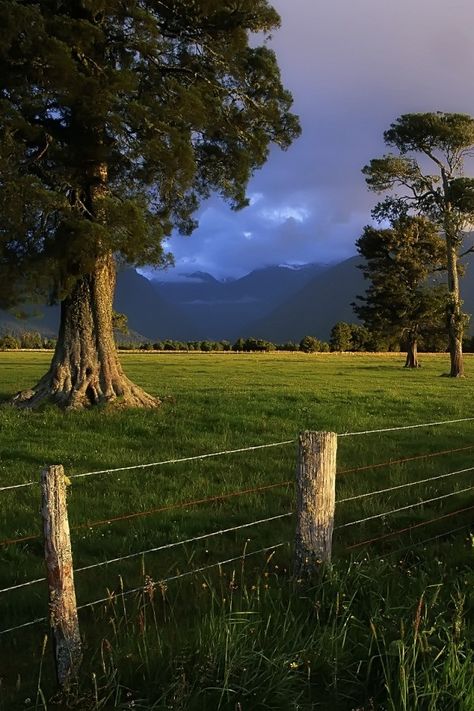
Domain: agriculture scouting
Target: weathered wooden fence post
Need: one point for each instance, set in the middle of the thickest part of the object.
(62, 596)
(315, 500)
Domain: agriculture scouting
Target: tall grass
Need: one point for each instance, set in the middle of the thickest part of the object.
(248, 637)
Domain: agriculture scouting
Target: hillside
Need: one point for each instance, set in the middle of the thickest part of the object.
(323, 301)
(277, 303)
(150, 315)
(222, 309)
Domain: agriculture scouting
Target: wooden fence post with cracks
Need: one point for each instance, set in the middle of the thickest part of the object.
(315, 500)
(60, 577)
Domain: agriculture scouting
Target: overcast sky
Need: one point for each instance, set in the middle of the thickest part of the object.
(353, 67)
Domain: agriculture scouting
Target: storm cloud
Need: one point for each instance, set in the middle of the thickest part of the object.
(352, 67)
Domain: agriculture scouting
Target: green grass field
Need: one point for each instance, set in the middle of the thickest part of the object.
(388, 626)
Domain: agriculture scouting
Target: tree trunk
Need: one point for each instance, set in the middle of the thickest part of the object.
(454, 312)
(85, 369)
(455, 320)
(412, 353)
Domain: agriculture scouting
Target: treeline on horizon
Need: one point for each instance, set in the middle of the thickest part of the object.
(345, 337)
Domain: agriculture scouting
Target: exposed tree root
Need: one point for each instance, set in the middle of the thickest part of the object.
(80, 395)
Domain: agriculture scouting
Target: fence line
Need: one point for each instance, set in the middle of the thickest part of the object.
(222, 497)
(425, 540)
(390, 534)
(405, 427)
(165, 546)
(403, 486)
(242, 526)
(252, 523)
(404, 508)
(184, 459)
(152, 585)
(160, 509)
(402, 460)
(235, 451)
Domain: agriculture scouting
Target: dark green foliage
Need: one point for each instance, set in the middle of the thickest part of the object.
(427, 178)
(253, 345)
(341, 337)
(25, 339)
(399, 262)
(310, 344)
(9, 342)
(166, 101)
(288, 346)
(445, 139)
(362, 339)
(120, 323)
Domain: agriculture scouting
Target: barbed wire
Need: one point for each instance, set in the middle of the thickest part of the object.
(152, 585)
(184, 459)
(390, 534)
(424, 541)
(159, 509)
(236, 451)
(165, 546)
(405, 427)
(402, 460)
(157, 464)
(403, 486)
(404, 508)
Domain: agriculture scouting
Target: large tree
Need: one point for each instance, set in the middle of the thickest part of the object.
(404, 299)
(117, 117)
(426, 178)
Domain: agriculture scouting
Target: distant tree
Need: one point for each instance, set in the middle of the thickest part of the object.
(361, 338)
(257, 344)
(238, 345)
(117, 118)
(120, 323)
(399, 301)
(341, 337)
(288, 346)
(439, 142)
(9, 342)
(311, 344)
(31, 339)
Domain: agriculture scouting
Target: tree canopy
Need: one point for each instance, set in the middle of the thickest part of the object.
(116, 120)
(426, 177)
(403, 300)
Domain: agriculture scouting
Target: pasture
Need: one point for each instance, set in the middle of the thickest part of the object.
(388, 626)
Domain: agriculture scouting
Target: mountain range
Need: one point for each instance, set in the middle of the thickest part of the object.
(279, 303)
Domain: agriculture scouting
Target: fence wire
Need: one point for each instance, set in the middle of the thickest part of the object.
(404, 508)
(152, 585)
(407, 529)
(404, 486)
(165, 546)
(236, 451)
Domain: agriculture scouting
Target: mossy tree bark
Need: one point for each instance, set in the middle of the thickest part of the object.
(85, 369)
